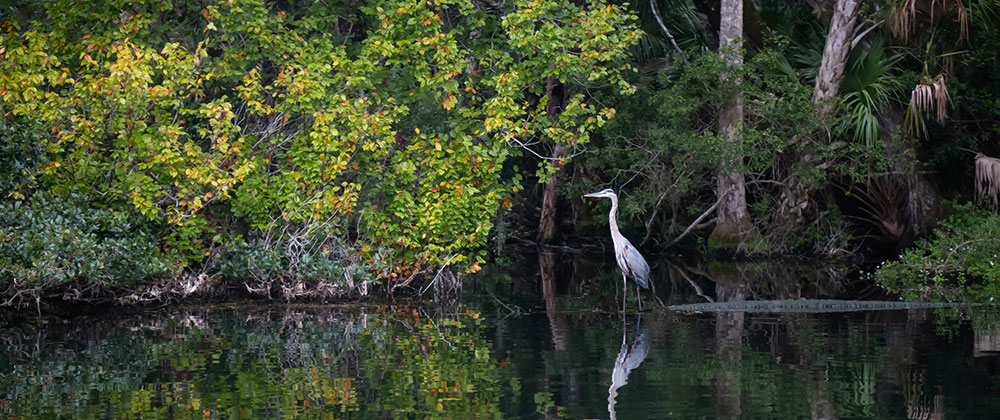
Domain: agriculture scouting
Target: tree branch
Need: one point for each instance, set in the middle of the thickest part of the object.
(659, 20)
(700, 218)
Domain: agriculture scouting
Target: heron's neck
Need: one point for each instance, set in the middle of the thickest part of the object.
(613, 219)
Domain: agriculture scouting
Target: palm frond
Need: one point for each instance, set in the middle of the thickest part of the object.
(987, 178)
(868, 85)
(680, 18)
(794, 23)
(882, 202)
(902, 16)
(930, 96)
(985, 14)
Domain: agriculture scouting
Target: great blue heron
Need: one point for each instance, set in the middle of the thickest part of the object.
(629, 259)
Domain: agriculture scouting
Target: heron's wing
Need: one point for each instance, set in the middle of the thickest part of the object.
(637, 352)
(623, 261)
(635, 265)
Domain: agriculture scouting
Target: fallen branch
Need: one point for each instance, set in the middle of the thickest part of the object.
(409, 279)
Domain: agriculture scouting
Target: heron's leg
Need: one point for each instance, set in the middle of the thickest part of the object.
(638, 296)
(624, 291)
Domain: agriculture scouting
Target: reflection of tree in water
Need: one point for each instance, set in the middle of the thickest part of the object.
(553, 303)
(920, 405)
(557, 273)
(798, 341)
(861, 395)
(274, 363)
(759, 280)
(739, 364)
(730, 286)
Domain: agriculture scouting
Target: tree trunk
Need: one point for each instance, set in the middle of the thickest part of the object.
(922, 202)
(838, 46)
(797, 196)
(731, 221)
(547, 227)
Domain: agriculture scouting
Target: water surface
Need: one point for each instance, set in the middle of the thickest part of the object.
(520, 348)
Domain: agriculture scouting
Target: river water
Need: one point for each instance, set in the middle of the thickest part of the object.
(543, 338)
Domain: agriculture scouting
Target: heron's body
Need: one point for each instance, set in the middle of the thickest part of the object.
(629, 260)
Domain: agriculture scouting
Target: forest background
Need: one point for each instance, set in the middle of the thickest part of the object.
(155, 150)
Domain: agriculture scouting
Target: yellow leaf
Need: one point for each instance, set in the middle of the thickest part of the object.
(437, 146)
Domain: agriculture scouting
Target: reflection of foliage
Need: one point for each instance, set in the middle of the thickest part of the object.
(913, 383)
(239, 364)
(861, 398)
(307, 362)
(949, 321)
(438, 369)
(543, 400)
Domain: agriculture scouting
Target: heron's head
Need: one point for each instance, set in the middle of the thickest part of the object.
(607, 192)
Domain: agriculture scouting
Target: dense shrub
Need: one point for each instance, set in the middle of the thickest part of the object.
(663, 149)
(20, 156)
(50, 241)
(292, 270)
(388, 121)
(960, 261)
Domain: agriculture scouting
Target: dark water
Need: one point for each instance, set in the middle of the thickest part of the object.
(543, 345)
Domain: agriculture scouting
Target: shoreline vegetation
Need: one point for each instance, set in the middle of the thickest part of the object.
(152, 151)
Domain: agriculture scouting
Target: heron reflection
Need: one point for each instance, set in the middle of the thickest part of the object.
(629, 358)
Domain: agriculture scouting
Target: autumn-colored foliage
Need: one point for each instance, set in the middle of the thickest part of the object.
(383, 128)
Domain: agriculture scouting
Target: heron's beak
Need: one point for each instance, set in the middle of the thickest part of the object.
(593, 194)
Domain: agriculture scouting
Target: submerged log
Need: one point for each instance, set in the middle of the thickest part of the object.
(813, 306)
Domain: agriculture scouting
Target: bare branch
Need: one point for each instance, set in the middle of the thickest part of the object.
(699, 219)
(656, 12)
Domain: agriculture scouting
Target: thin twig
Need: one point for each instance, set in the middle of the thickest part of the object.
(428, 285)
(649, 223)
